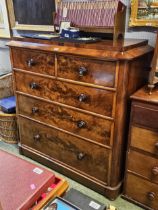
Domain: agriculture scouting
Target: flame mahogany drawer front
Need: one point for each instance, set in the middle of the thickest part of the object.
(87, 98)
(34, 61)
(87, 70)
(81, 155)
(142, 191)
(136, 164)
(144, 139)
(85, 125)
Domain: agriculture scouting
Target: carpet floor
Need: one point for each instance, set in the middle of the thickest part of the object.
(119, 203)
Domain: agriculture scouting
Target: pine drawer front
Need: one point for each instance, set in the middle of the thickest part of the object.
(87, 70)
(145, 116)
(142, 191)
(84, 125)
(144, 139)
(77, 153)
(136, 164)
(34, 61)
(87, 98)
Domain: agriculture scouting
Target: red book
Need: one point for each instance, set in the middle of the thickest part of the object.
(21, 182)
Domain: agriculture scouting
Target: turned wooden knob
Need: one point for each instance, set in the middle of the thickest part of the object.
(156, 145)
(81, 124)
(82, 97)
(155, 170)
(82, 71)
(151, 196)
(31, 63)
(35, 110)
(34, 85)
(37, 137)
(81, 156)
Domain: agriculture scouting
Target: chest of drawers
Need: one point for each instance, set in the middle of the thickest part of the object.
(141, 182)
(72, 106)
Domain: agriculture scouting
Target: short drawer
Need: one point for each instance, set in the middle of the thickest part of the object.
(85, 125)
(144, 139)
(137, 164)
(87, 98)
(34, 61)
(145, 116)
(142, 191)
(87, 70)
(79, 154)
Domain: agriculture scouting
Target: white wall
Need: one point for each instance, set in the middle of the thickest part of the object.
(5, 65)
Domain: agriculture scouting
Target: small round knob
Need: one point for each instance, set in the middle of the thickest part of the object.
(82, 97)
(81, 124)
(82, 71)
(37, 137)
(81, 156)
(35, 110)
(155, 171)
(31, 63)
(156, 145)
(151, 196)
(34, 85)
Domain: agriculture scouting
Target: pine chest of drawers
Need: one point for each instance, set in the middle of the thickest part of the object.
(141, 182)
(72, 106)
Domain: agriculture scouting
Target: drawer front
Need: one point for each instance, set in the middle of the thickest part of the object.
(144, 139)
(90, 99)
(85, 125)
(33, 61)
(149, 170)
(77, 153)
(86, 70)
(145, 116)
(142, 191)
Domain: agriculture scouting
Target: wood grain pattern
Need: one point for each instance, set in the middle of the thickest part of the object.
(136, 164)
(34, 61)
(67, 149)
(141, 190)
(144, 139)
(67, 93)
(96, 129)
(96, 71)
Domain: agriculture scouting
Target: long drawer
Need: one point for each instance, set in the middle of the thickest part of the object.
(34, 61)
(87, 70)
(85, 125)
(144, 139)
(142, 191)
(87, 158)
(87, 98)
(136, 164)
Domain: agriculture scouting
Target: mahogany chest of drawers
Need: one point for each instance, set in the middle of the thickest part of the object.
(72, 106)
(141, 179)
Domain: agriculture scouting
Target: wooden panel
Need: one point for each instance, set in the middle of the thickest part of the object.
(97, 100)
(86, 70)
(34, 61)
(88, 126)
(144, 139)
(145, 116)
(149, 170)
(77, 153)
(142, 191)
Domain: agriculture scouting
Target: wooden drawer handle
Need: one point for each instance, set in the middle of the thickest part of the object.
(156, 145)
(37, 137)
(82, 97)
(35, 110)
(34, 85)
(81, 156)
(82, 71)
(155, 171)
(31, 63)
(151, 196)
(81, 124)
